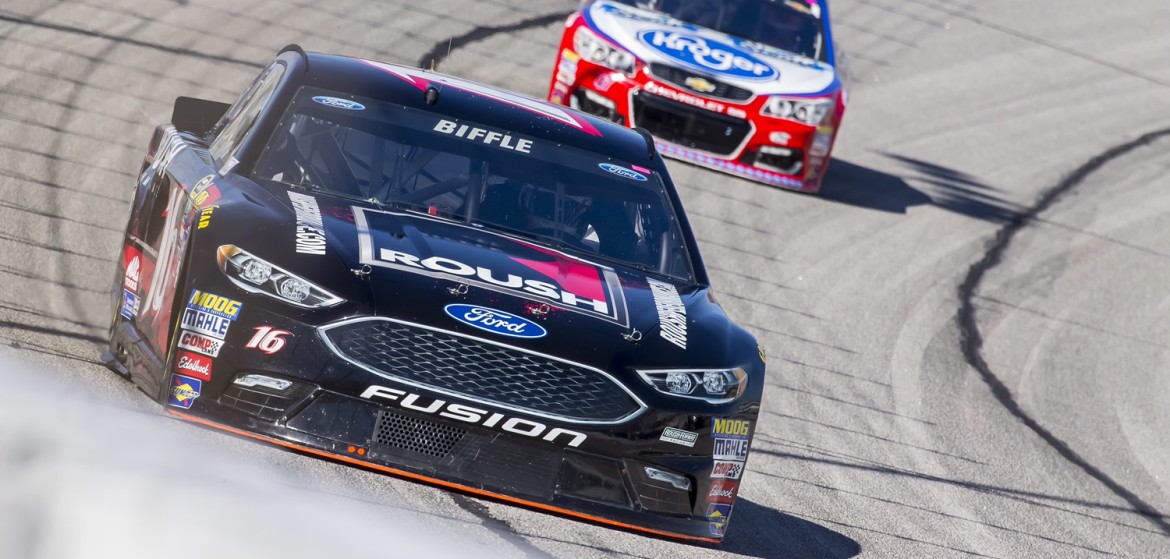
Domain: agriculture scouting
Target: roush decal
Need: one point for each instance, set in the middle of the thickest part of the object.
(727, 470)
(268, 339)
(678, 436)
(622, 172)
(129, 308)
(672, 313)
(422, 79)
(495, 321)
(474, 416)
(199, 343)
(310, 230)
(481, 135)
(702, 53)
(184, 391)
(519, 268)
(722, 491)
(338, 103)
(214, 304)
(730, 449)
(206, 323)
(738, 428)
(193, 364)
(717, 516)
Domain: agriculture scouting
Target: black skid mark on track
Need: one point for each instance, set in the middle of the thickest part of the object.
(499, 527)
(442, 49)
(972, 339)
(127, 41)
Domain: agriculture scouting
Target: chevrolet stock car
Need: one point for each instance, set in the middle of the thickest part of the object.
(440, 280)
(746, 87)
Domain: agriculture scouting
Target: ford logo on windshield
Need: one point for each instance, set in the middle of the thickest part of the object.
(496, 322)
(706, 54)
(339, 103)
(622, 172)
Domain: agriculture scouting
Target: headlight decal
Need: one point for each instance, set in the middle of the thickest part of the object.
(598, 51)
(258, 276)
(813, 112)
(715, 386)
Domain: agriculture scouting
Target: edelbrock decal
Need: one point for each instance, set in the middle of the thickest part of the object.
(722, 491)
(193, 364)
(678, 436)
(707, 54)
(339, 103)
(622, 172)
(481, 135)
(672, 314)
(310, 229)
(474, 416)
(496, 322)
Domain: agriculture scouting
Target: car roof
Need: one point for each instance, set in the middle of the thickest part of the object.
(480, 103)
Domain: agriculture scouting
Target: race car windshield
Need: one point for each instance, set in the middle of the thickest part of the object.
(791, 25)
(420, 161)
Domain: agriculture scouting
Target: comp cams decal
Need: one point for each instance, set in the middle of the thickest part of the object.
(495, 321)
(193, 364)
(483, 136)
(727, 470)
(310, 229)
(184, 391)
(707, 54)
(475, 416)
(678, 436)
(199, 343)
(672, 314)
(521, 269)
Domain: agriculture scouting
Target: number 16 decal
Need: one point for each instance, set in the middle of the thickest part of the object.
(268, 340)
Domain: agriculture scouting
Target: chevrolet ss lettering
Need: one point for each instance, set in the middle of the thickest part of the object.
(468, 414)
(707, 54)
(438, 279)
(496, 322)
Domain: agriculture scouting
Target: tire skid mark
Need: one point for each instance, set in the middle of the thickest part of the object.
(497, 526)
(971, 338)
(442, 49)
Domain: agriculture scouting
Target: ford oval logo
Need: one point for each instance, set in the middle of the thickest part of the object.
(496, 322)
(622, 172)
(339, 103)
(705, 54)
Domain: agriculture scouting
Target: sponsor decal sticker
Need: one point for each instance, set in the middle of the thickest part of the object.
(199, 343)
(337, 103)
(206, 323)
(700, 84)
(622, 172)
(763, 354)
(129, 304)
(268, 339)
(730, 449)
(193, 364)
(495, 321)
(678, 436)
(727, 470)
(707, 54)
(722, 491)
(205, 216)
(310, 229)
(474, 416)
(685, 98)
(184, 391)
(567, 67)
(737, 428)
(717, 516)
(204, 193)
(672, 314)
(484, 136)
(132, 260)
(214, 304)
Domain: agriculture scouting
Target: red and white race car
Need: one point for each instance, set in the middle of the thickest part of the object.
(747, 87)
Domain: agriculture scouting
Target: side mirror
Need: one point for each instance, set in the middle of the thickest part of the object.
(197, 116)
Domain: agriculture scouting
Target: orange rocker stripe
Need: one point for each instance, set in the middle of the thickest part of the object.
(430, 480)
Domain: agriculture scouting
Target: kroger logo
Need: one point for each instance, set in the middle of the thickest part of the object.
(339, 103)
(706, 54)
(496, 322)
(622, 172)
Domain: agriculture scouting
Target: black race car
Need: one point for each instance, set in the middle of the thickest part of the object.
(440, 280)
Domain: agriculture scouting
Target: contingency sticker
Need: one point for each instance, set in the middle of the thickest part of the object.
(723, 491)
(199, 343)
(184, 391)
(678, 436)
(717, 516)
(727, 470)
(193, 364)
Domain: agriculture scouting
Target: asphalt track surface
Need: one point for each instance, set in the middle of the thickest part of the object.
(967, 329)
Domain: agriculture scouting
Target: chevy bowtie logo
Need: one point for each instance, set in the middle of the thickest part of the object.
(699, 84)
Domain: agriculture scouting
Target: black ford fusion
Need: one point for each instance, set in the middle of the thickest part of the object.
(443, 281)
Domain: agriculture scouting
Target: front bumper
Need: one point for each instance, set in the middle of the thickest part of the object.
(727, 135)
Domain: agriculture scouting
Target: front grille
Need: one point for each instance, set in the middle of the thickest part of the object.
(679, 77)
(482, 371)
(689, 126)
(416, 435)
